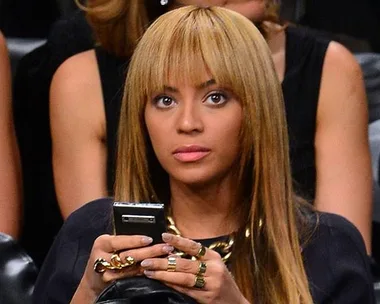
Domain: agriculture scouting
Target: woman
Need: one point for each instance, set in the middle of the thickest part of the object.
(323, 91)
(10, 175)
(183, 102)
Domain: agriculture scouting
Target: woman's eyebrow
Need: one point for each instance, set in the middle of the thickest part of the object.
(170, 89)
(206, 84)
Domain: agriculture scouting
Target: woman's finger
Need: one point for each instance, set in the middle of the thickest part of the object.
(104, 261)
(175, 264)
(115, 243)
(190, 247)
(112, 275)
(141, 254)
(187, 280)
(111, 264)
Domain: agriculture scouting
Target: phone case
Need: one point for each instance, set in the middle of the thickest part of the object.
(140, 219)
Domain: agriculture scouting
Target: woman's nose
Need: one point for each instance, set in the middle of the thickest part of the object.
(189, 118)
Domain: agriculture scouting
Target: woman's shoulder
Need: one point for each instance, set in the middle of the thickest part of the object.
(92, 210)
(340, 61)
(75, 88)
(3, 47)
(336, 262)
(78, 71)
(2, 40)
(302, 42)
(86, 70)
(330, 227)
(82, 62)
(93, 216)
(64, 265)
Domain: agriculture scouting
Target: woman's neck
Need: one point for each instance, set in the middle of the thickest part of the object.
(204, 212)
(276, 40)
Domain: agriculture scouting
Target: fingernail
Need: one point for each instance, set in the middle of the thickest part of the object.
(146, 263)
(167, 249)
(149, 273)
(146, 240)
(166, 237)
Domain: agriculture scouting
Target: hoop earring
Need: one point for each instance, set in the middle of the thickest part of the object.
(164, 2)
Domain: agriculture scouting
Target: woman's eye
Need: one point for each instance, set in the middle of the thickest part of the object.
(163, 102)
(216, 99)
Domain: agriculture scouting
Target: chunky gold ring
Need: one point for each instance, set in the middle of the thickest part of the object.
(116, 261)
(101, 265)
(201, 252)
(199, 282)
(202, 269)
(172, 264)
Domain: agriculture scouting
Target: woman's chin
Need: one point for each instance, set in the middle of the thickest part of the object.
(193, 180)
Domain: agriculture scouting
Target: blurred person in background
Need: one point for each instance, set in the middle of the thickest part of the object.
(10, 174)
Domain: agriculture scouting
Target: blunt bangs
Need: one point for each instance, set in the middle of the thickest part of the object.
(185, 49)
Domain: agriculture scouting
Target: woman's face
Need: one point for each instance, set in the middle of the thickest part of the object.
(194, 130)
(254, 10)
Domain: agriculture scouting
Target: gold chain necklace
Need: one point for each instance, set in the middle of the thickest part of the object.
(224, 248)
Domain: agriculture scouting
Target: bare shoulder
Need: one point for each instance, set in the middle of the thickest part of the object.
(339, 60)
(3, 48)
(342, 81)
(76, 93)
(78, 70)
(2, 40)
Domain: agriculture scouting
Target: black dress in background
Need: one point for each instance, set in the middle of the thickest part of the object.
(42, 217)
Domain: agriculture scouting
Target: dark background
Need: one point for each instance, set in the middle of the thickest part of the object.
(359, 19)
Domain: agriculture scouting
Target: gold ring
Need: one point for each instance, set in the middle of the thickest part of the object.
(172, 264)
(199, 282)
(201, 252)
(202, 269)
(118, 264)
(101, 265)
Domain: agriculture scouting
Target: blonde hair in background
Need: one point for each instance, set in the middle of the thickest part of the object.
(118, 24)
(268, 266)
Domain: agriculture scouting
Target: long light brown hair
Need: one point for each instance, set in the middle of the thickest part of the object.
(268, 265)
(118, 24)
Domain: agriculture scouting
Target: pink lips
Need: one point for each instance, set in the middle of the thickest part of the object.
(190, 153)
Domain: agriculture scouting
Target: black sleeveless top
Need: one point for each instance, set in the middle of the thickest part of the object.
(305, 54)
(304, 61)
(112, 89)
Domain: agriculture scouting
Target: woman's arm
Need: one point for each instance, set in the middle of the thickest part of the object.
(78, 129)
(344, 178)
(10, 173)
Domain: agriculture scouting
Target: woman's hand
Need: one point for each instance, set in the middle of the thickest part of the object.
(183, 274)
(105, 246)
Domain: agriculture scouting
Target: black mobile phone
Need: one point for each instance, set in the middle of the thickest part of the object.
(140, 219)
